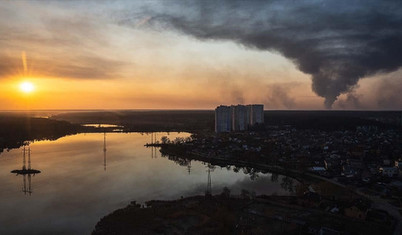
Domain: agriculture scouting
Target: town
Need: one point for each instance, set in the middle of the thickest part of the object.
(364, 161)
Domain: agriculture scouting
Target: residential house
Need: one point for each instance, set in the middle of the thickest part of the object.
(389, 171)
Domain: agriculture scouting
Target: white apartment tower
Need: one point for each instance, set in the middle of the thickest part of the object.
(238, 117)
(256, 114)
(223, 119)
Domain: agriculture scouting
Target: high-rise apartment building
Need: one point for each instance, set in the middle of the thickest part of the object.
(223, 119)
(238, 117)
(256, 114)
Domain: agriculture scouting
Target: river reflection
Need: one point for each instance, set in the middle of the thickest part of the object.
(27, 172)
(84, 177)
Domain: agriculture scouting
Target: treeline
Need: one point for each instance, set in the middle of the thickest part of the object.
(16, 129)
(204, 120)
(334, 120)
(145, 121)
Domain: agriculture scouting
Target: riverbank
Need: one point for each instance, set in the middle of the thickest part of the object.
(223, 214)
(327, 210)
(176, 151)
(15, 130)
(302, 176)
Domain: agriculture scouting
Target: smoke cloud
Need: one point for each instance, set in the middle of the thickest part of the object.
(351, 101)
(336, 42)
(279, 96)
(238, 96)
(388, 92)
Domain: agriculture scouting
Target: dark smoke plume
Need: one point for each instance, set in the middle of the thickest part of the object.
(338, 42)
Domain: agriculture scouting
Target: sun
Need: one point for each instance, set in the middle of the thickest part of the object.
(27, 87)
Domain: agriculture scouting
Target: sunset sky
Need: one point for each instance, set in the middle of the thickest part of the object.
(199, 54)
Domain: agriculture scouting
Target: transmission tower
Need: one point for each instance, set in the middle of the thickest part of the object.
(104, 151)
(23, 159)
(208, 191)
(189, 168)
(26, 173)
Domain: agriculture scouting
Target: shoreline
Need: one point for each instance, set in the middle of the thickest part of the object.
(296, 174)
(378, 202)
(225, 214)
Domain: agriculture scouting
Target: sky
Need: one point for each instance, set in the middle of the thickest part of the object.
(307, 54)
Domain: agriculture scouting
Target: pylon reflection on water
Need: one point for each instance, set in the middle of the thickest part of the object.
(26, 172)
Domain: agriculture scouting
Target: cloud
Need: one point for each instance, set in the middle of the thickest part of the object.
(76, 67)
(10, 66)
(336, 42)
(58, 41)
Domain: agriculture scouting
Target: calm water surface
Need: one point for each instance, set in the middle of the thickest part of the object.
(76, 188)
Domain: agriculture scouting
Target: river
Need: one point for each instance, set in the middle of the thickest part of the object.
(80, 182)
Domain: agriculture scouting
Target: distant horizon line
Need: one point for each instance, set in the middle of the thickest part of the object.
(200, 109)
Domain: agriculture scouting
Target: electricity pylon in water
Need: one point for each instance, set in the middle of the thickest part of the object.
(208, 191)
(104, 151)
(26, 173)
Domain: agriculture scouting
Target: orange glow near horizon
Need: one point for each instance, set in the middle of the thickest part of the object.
(67, 93)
